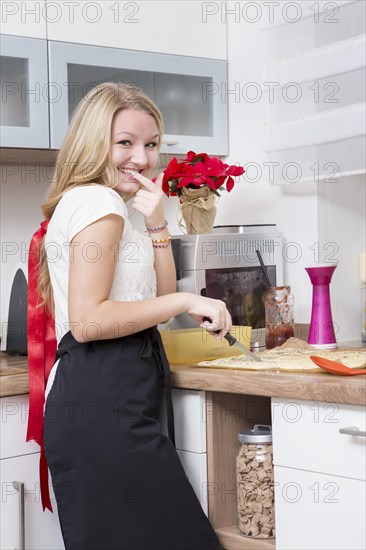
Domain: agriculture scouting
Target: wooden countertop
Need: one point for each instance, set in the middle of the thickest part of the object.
(310, 386)
(13, 375)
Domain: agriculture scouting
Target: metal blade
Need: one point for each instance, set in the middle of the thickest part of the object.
(233, 342)
(247, 352)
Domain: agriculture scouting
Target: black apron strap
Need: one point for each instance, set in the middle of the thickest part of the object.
(67, 342)
(153, 345)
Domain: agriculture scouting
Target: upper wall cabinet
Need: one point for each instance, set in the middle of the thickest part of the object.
(24, 101)
(186, 89)
(20, 18)
(180, 27)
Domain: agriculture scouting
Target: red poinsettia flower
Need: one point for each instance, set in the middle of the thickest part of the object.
(191, 156)
(173, 172)
(196, 175)
(235, 170)
(220, 181)
(216, 167)
(198, 170)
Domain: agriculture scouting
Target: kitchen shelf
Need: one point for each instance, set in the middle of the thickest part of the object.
(22, 155)
(226, 415)
(232, 540)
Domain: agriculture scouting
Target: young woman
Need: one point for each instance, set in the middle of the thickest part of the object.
(118, 481)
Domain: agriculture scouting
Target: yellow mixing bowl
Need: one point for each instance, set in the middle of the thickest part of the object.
(192, 345)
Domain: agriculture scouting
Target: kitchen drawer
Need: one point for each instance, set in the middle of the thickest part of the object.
(195, 467)
(42, 529)
(319, 512)
(14, 419)
(306, 435)
(190, 420)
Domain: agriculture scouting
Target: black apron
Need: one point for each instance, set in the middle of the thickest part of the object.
(118, 481)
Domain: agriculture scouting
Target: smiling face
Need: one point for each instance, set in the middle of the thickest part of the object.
(134, 147)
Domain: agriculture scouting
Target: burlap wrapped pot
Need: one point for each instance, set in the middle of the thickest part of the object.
(198, 210)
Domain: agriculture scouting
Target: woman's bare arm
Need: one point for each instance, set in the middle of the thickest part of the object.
(93, 316)
(166, 282)
(149, 201)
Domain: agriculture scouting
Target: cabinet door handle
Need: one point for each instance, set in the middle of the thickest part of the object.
(352, 430)
(18, 486)
(170, 143)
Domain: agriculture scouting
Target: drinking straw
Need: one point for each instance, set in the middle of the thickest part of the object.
(264, 271)
(267, 279)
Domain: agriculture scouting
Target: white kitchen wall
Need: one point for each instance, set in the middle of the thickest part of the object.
(337, 216)
(23, 188)
(341, 220)
(292, 207)
(178, 27)
(24, 18)
(308, 215)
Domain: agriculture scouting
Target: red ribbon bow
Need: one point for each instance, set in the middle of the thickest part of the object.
(42, 347)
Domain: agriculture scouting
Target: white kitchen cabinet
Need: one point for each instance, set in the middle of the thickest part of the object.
(19, 464)
(190, 437)
(40, 90)
(195, 467)
(319, 455)
(319, 511)
(186, 89)
(41, 529)
(180, 27)
(24, 18)
(306, 435)
(24, 90)
(14, 412)
(190, 420)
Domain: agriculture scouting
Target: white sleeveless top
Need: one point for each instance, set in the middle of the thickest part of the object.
(134, 276)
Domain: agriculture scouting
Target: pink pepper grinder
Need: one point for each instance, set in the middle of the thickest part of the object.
(321, 333)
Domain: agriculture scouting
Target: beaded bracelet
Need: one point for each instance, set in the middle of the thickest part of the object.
(166, 240)
(156, 229)
(165, 245)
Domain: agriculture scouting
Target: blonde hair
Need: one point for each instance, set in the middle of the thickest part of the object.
(84, 157)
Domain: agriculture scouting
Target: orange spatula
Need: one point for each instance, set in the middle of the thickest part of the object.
(337, 368)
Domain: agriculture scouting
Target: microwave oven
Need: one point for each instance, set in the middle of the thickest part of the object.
(226, 266)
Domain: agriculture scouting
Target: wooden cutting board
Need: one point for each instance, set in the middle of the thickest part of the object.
(288, 359)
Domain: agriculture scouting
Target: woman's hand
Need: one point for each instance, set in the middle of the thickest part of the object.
(211, 314)
(149, 200)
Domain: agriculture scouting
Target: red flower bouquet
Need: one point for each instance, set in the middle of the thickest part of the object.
(197, 171)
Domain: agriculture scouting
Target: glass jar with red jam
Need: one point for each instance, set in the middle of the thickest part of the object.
(279, 315)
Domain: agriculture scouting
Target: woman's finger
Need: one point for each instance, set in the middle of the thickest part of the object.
(144, 193)
(142, 200)
(148, 184)
(159, 180)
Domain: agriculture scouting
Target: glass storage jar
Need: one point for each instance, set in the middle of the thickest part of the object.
(279, 315)
(255, 483)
